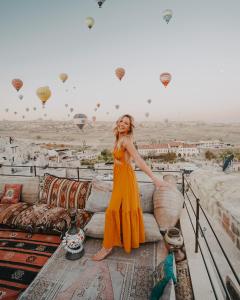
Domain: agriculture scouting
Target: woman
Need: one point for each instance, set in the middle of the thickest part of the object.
(123, 219)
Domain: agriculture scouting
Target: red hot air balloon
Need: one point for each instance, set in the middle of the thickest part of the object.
(17, 84)
(120, 72)
(165, 78)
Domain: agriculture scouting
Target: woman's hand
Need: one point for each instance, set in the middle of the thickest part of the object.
(161, 184)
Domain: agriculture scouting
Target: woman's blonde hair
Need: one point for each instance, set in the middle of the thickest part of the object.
(130, 132)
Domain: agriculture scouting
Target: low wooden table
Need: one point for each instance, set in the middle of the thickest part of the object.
(119, 276)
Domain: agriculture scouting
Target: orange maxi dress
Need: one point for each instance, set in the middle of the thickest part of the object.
(123, 219)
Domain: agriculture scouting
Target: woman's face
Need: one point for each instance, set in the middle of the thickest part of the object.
(124, 125)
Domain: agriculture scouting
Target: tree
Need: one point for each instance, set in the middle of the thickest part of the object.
(209, 155)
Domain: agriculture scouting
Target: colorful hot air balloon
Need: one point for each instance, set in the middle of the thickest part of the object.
(167, 15)
(20, 97)
(80, 120)
(90, 22)
(149, 101)
(71, 109)
(165, 78)
(63, 77)
(117, 106)
(43, 93)
(100, 3)
(120, 72)
(17, 83)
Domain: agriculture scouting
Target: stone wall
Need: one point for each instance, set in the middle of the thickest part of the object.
(219, 194)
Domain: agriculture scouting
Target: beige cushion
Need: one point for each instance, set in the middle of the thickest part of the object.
(146, 196)
(30, 189)
(95, 227)
(100, 196)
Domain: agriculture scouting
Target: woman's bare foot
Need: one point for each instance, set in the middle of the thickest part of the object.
(101, 254)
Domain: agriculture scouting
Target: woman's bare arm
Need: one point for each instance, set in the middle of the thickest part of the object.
(129, 146)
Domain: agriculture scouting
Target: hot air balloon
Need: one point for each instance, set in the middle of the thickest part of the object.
(167, 15)
(165, 78)
(98, 105)
(17, 83)
(120, 72)
(80, 120)
(66, 105)
(117, 106)
(43, 94)
(20, 97)
(71, 109)
(147, 115)
(149, 101)
(90, 22)
(100, 3)
(63, 77)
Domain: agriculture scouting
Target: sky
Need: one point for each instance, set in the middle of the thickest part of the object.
(200, 47)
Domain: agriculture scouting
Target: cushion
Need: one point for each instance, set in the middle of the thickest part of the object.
(168, 203)
(146, 196)
(161, 276)
(30, 187)
(39, 217)
(95, 227)
(12, 193)
(100, 196)
(63, 192)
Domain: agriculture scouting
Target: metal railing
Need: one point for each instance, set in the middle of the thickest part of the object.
(190, 196)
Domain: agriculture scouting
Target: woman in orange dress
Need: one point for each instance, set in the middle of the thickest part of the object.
(123, 219)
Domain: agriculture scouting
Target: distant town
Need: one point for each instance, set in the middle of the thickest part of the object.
(18, 156)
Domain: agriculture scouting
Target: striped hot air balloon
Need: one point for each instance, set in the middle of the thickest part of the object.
(165, 78)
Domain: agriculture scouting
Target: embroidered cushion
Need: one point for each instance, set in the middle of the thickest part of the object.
(100, 196)
(40, 217)
(63, 192)
(30, 187)
(161, 276)
(95, 227)
(12, 193)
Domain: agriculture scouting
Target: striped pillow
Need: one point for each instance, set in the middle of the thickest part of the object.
(62, 192)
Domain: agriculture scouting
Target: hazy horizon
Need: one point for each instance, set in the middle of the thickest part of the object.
(200, 47)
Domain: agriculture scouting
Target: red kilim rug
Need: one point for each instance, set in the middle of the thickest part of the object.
(22, 255)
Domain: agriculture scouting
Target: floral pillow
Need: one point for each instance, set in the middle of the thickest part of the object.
(12, 193)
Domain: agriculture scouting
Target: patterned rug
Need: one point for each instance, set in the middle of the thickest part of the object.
(184, 286)
(120, 276)
(22, 256)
